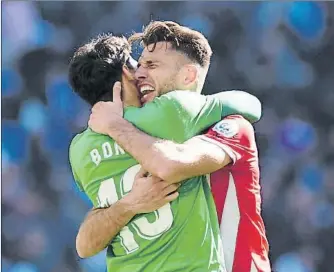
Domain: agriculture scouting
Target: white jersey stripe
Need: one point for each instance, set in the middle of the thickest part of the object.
(230, 223)
(253, 268)
(208, 179)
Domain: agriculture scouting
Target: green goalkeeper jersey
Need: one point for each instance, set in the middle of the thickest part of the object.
(182, 235)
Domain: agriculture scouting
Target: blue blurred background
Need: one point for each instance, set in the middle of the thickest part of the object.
(283, 52)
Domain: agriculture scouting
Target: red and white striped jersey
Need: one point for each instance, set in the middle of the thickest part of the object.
(236, 191)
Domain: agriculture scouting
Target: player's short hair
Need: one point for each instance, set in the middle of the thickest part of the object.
(189, 42)
(97, 65)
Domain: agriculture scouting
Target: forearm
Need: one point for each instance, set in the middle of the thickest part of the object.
(165, 159)
(193, 158)
(143, 147)
(101, 226)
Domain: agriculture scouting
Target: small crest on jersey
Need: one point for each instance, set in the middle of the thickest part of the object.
(227, 128)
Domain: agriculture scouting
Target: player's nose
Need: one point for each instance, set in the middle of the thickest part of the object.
(141, 73)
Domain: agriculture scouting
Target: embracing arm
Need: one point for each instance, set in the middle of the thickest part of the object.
(169, 161)
(176, 116)
(180, 115)
(101, 225)
(230, 140)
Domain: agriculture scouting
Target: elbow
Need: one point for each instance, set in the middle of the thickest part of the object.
(169, 166)
(170, 171)
(82, 249)
(82, 254)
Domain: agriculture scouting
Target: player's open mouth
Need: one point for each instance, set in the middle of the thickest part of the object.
(145, 89)
(147, 93)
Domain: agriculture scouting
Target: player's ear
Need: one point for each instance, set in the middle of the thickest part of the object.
(128, 73)
(190, 74)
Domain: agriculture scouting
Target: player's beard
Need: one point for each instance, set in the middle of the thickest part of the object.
(168, 85)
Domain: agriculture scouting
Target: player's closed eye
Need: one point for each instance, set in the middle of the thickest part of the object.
(147, 65)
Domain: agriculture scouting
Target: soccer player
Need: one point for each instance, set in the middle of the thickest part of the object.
(227, 149)
(106, 173)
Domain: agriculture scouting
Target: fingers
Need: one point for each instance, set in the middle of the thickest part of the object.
(97, 106)
(117, 89)
(171, 188)
(89, 122)
(91, 118)
(172, 196)
(142, 173)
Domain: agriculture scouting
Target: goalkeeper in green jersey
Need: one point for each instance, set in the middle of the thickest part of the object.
(143, 228)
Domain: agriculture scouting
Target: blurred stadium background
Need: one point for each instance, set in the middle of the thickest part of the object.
(283, 52)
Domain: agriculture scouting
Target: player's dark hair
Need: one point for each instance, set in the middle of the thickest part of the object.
(97, 65)
(190, 42)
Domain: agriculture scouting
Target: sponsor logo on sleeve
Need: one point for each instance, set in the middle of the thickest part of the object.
(227, 128)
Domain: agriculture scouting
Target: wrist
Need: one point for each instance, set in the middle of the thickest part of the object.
(116, 124)
(128, 205)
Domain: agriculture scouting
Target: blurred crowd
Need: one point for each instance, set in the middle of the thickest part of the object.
(282, 52)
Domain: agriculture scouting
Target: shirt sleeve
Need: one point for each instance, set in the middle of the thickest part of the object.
(235, 135)
(176, 116)
(240, 103)
(180, 115)
(74, 173)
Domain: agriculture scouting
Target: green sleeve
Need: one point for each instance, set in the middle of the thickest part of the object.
(75, 175)
(180, 115)
(174, 116)
(239, 102)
